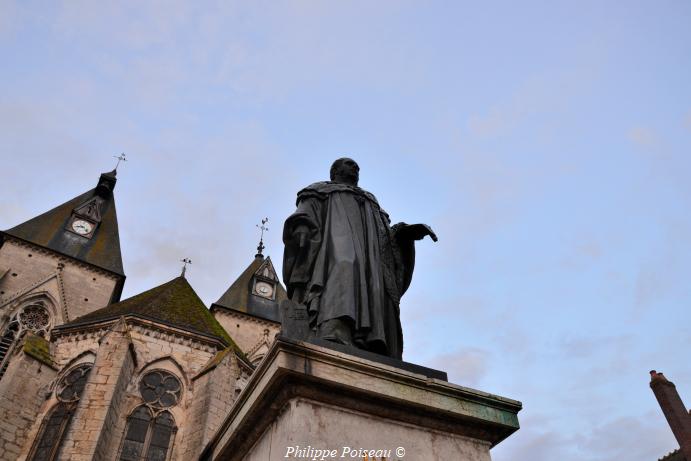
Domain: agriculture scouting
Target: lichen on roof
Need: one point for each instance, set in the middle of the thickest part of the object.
(38, 347)
(174, 302)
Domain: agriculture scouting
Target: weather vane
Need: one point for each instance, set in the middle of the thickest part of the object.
(263, 227)
(185, 262)
(121, 158)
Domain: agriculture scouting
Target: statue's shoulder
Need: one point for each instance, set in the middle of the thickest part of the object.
(322, 189)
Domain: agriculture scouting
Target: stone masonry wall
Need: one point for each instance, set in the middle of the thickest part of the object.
(221, 396)
(89, 434)
(185, 359)
(195, 416)
(245, 330)
(113, 389)
(215, 396)
(85, 288)
(23, 390)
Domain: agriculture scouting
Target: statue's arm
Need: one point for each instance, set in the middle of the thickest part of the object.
(405, 236)
(414, 232)
(302, 238)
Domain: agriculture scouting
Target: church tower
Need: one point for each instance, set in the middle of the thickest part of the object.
(59, 266)
(54, 268)
(248, 310)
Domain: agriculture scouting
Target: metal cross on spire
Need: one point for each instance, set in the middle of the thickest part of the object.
(263, 228)
(121, 158)
(185, 262)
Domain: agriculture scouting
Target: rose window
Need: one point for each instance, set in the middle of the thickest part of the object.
(34, 317)
(160, 389)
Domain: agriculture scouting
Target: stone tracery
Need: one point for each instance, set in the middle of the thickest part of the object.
(151, 427)
(68, 393)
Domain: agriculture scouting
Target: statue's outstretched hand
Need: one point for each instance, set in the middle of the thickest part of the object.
(416, 232)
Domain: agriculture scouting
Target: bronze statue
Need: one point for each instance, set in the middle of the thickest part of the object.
(347, 265)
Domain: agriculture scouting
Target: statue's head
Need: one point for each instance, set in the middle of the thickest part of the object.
(345, 170)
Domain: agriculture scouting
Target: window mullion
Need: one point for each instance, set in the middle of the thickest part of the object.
(63, 426)
(147, 439)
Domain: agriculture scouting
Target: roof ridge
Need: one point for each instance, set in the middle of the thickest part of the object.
(174, 302)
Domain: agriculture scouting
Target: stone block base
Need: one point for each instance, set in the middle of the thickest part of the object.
(314, 403)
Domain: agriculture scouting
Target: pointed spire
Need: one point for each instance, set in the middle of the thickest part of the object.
(245, 294)
(99, 245)
(106, 184)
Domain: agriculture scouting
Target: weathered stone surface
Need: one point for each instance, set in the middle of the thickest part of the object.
(74, 288)
(307, 426)
(97, 419)
(22, 389)
(247, 331)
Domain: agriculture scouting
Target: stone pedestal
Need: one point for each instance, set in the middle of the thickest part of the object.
(311, 402)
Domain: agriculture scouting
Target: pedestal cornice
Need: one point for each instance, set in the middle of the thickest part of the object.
(295, 369)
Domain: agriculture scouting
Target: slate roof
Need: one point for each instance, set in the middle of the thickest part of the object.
(174, 303)
(239, 296)
(49, 231)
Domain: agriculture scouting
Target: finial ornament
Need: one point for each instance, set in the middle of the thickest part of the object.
(185, 262)
(121, 158)
(263, 228)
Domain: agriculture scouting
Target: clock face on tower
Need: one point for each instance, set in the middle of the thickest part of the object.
(264, 289)
(82, 227)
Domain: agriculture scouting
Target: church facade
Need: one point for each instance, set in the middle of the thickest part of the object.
(85, 375)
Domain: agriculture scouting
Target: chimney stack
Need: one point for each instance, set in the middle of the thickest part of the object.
(678, 417)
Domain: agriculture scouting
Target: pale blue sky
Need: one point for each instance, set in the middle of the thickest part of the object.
(547, 143)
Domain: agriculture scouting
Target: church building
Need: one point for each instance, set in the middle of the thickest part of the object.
(85, 375)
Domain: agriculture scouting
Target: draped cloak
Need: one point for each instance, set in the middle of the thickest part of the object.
(352, 266)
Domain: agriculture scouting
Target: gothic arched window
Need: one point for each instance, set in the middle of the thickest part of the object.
(151, 428)
(54, 427)
(32, 317)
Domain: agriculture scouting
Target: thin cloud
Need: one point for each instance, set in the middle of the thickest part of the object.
(643, 137)
(585, 347)
(465, 366)
(687, 121)
(630, 438)
(635, 438)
